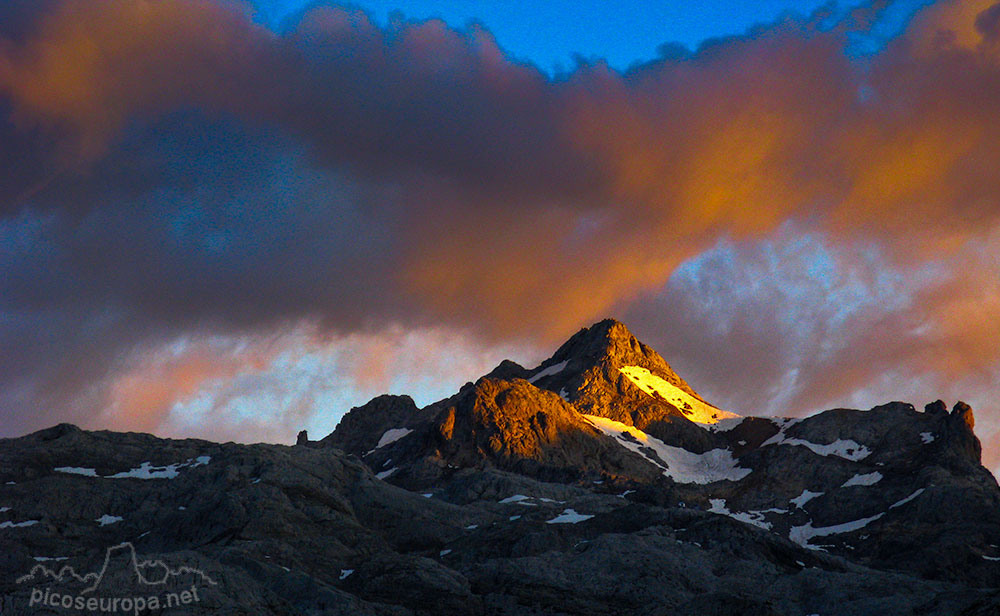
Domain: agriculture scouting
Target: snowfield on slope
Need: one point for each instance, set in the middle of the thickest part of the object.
(806, 496)
(693, 408)
(677, 463)
(388, 473)
(868, 479)
(570, 516)
(107, 518)
(756, 518)
(802, 534)
(846, 449)
(391, 436)
(554, 369)
(144, 471)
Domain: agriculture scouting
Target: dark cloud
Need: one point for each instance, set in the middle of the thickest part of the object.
(172, 169)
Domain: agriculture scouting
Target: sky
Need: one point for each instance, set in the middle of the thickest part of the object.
(551, 34)
(236, 221)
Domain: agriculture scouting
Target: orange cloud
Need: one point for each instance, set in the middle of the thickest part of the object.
(483, 194)
(93, 66)
(269, 385)
(141, 396)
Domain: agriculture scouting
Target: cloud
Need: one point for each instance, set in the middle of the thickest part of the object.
(175, 169)
(90, 68)
(798, 322)
(269, 385)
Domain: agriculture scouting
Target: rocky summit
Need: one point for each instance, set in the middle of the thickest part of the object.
(598, 482)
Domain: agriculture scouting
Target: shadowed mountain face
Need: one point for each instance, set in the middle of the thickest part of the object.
(596, 483)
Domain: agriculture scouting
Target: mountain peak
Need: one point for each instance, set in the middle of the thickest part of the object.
(605, 370)
(609, 347)
(606, 341)
(611, 328)
(360, 428)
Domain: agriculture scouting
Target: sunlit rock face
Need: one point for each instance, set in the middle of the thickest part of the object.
(598, 482)
(607, 408)
(509, 425)
(604, 370)
(536, 419)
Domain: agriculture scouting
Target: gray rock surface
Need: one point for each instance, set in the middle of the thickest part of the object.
(362, 427)
(505, 500)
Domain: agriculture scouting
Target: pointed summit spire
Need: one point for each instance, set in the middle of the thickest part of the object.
(605, 370)
(608, 341)
(608, 346)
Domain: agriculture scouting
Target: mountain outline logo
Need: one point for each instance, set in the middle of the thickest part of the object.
(137, 566)
(151, 584)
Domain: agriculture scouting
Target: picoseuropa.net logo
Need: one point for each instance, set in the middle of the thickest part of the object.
(125, 584)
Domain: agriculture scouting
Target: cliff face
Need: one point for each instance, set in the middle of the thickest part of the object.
(581, 486)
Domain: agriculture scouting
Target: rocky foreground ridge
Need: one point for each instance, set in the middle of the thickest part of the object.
(598, 482)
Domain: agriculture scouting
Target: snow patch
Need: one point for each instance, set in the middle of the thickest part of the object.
(723, 425)
(145, 471)
(679, 464)
(907, 499)
(18, 524)
(569, 516)
(553, 369)
(521, 499)
(345, 572)
(927, 437)
(444, 552)
(868, 479)
(391, 436)
(388, 473)
(847, 449)
(802, 534)
(755, 518)
(693, 408)
(106, 519)
(76, 470)
(43, 559)
(806, 496)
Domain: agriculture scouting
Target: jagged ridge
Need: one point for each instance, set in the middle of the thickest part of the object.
(535, 491)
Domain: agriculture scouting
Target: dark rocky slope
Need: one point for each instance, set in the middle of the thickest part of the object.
(579, 492)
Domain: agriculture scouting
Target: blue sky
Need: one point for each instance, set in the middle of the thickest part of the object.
(551, 33)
